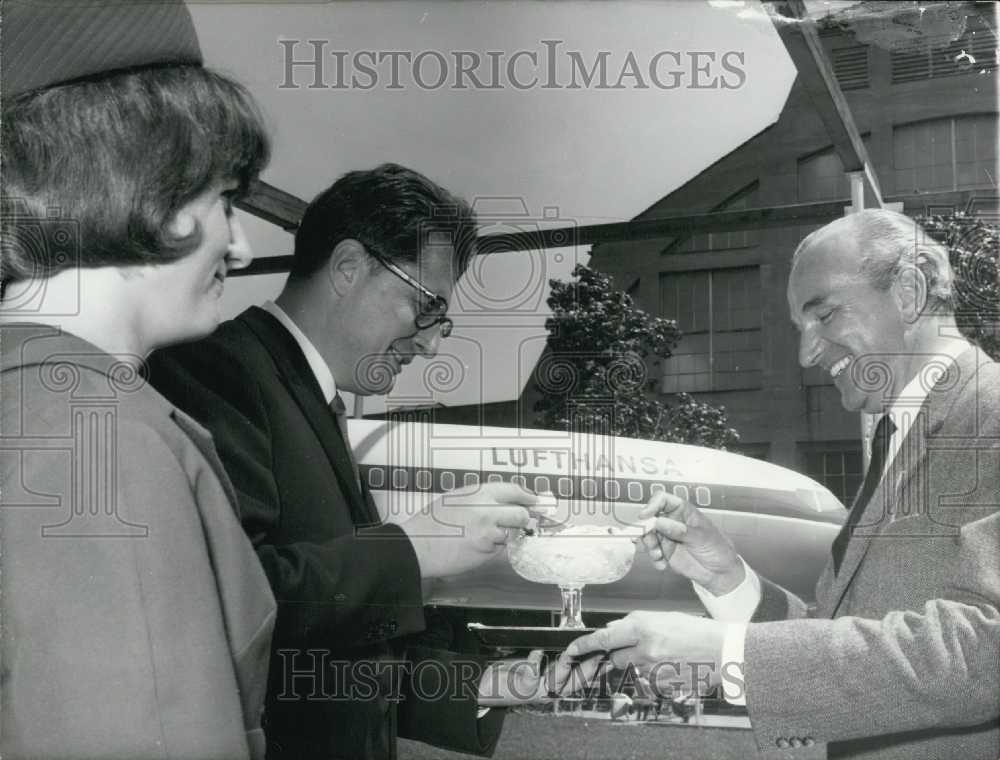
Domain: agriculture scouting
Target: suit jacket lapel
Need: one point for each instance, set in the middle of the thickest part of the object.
(303, 387)
(874, 517)
(902, 479)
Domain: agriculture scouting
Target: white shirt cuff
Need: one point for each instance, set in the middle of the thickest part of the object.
(733, 684)
(738, 605)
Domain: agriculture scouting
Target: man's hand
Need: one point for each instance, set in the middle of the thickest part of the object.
(512, 682)
(683, 538)
(677, 652)
(462, 529)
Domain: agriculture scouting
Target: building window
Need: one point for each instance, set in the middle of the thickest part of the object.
(972, 53)
(746, 198)
(719, 312)
(821, 176)
(946, 154)
(836, 465)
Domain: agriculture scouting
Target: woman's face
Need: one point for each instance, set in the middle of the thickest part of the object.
(184, 295)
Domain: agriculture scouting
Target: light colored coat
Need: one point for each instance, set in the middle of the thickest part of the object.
(136, 619)
(902, 657)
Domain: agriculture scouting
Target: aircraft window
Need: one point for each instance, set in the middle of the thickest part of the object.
(376, 477)
(703, 496)
(565, 487)
(447, 480)
(423, 480)
(820, 499)
(472, 478)
(635, 491)
(682, 492)
(519, 480)
(400, 478)
(588, 487)
(612, 489)
(656, 488)
(542, 484)
(494, 477)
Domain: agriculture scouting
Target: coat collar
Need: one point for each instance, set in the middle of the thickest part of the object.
(68, 364)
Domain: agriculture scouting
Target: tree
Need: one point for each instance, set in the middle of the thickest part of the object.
(973, 247)
(595, 374)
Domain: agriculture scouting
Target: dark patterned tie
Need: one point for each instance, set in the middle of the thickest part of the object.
(880, 446)
(340, 412)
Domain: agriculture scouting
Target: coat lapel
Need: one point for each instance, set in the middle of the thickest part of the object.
(304, 389)
(873, 519)
(902, 479)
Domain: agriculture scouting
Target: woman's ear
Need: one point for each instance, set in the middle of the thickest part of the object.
(183, 224)
(346, 265)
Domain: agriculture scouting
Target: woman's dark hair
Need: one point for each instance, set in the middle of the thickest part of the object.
(115, 157)
(391, 210)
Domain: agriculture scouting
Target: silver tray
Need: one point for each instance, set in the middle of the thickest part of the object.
(527, 637)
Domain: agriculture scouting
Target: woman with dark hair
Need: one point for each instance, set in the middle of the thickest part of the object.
(136, 620)
(139, 170)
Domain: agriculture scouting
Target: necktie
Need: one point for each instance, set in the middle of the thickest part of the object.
(880, 446)
(340, 412)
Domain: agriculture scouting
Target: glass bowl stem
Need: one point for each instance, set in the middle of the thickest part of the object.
(572, 607)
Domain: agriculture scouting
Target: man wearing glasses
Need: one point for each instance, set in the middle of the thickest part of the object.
(376, 257)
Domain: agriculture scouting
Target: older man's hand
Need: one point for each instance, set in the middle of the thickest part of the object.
(678, 653)
(462, 529)
(683, 538)
(512, 682)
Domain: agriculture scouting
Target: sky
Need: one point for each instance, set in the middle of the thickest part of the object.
(506, 104)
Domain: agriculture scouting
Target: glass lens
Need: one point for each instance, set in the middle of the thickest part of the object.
(432, 312)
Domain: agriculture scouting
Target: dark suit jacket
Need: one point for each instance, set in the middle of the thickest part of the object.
(903, 661)
(136, 618)
(348, 596)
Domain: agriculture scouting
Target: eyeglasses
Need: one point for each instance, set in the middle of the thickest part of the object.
(432, 308)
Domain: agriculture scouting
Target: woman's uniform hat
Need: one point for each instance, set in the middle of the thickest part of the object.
(49, 42)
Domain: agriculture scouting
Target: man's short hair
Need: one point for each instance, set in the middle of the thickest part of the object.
(888, 242)
(392, 211)
(119, 155)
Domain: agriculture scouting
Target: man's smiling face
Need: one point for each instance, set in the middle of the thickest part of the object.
(852, 330)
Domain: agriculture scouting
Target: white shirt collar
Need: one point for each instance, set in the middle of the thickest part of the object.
(320, 369)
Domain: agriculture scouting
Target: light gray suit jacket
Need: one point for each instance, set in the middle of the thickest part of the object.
(902, 656)
(136, 619)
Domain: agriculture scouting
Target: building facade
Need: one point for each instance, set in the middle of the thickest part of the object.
(928, 117)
